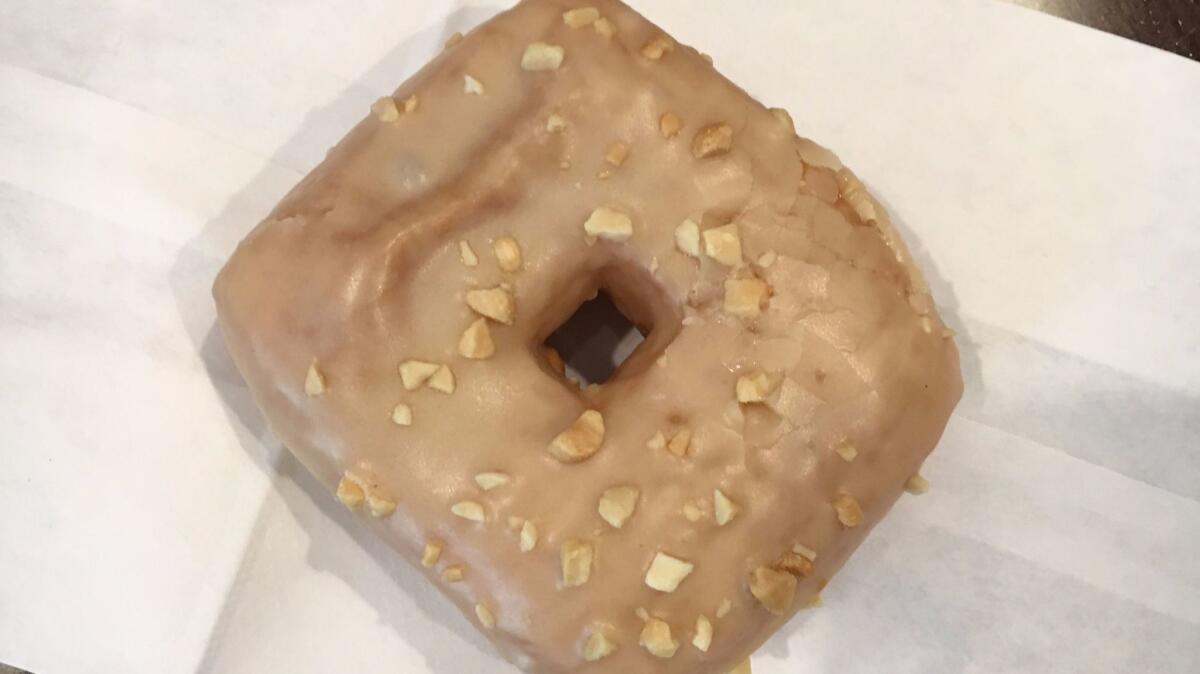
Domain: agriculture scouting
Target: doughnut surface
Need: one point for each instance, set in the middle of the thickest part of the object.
(388, 317)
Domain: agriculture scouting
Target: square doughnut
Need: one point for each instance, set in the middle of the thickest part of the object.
(389, 317)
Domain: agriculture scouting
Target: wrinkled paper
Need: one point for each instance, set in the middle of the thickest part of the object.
(1047, 177)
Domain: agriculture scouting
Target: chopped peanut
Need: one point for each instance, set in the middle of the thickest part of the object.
(555, 123)
(656, 638)
(616, 154)
(784, 118)
(575, 557)
(745, 297)
(380, 506)
(432, 553)
(849, 513)
(314, 381)
(604, 27)
(542, 56)
(659, 441)
(490, 481)
(687, 238)
(385, 109)
(606, 223)
(581, 440)
(529, 536)
(712, 140)
(476, 342)
(485, 615)
(495, 303)
(767, 259)
(795, 564)
(597, 647)
(724, 245)
(472, 86)
(442, 380)
(454, 574)
(508, 253)
(775, 590)
(666, 572)
(466, 255)
(805, 552)
(704, 634)
(350, 492)
(847, 451)
(580, 17)
(411, 103)
(669, 124)
(724, 609)
(402, 415)
(724, 509)
(469, 510)
(618, 504)
(554, 360)
(680, 442)
(414, 373)
(657, 47)
(916, 485)
(755, 387)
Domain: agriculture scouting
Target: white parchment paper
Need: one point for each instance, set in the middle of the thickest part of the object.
(1048, 177)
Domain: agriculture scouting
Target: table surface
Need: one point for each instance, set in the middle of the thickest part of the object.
(1172, 25)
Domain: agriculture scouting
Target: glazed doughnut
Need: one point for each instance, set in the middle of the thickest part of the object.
(389, 317)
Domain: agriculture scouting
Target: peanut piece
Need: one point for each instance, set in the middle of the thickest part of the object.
(476, 341)
(581, 440)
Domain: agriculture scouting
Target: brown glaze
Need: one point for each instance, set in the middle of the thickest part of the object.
(359, 268)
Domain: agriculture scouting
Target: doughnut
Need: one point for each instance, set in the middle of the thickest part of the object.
(389, 317)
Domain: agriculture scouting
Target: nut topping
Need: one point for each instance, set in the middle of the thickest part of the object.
(508, 253)
(432, 553)
(746, 297)
(472, 86)
(314, 381)
(916, 485)
(669, 124)
(704, 633)
(666, 572)
(604, 27)
(724, 245)
(606, 223)
(575, 557)
(849, 513)
(724, 509)
(617, 505)
(529, 536)
(385, 109)
(350, 492)
(581, 440)
(542, 56)
(402, 415)
(687, 238)
(490, 481)
(454, 574)
(380, 506)
(755, 387)
(580, 17)
(712, 140)
(476, 342)
(469, 510)
(657, 47)
(485, 615)
(495, 303)
(442, 380)
(466, 255)
(414, 373)
(656, 638)
(616, 154)
(598, 647)
(775, 590)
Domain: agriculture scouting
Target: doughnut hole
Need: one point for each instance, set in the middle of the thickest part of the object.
(612, 326)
